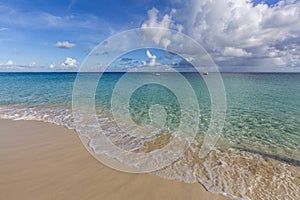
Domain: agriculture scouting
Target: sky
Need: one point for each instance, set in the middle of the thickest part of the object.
(240, 35)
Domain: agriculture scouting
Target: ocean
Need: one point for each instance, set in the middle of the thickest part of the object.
(256, 157)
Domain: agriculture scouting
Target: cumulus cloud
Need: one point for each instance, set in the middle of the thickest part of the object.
(153, 20)
(237, 32)
(7, 64)
(69, 63)
(159, 37)
(65, 45)
(152, 58)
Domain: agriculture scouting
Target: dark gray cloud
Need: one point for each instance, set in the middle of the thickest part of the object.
(126, 59)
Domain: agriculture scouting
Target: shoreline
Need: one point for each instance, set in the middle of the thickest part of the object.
(39, 160)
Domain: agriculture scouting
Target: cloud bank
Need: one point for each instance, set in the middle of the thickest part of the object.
(238, 33)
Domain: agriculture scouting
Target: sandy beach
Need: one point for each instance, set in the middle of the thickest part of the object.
(44, 161)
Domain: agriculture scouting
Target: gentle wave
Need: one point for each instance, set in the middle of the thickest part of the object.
(55, 115)
(232, 172)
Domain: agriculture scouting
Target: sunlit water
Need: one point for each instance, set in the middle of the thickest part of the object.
(257, 156)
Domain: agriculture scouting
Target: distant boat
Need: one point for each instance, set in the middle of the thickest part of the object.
(205, 73)
(156, 74)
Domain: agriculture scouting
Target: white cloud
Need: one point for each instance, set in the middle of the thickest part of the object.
(154, 22)
(152, 58)
(65, 45)
(235, 52)
(9, 63)
(159, 37)
(237, 32)
(3, 28)
(33, 63)
(69, 62)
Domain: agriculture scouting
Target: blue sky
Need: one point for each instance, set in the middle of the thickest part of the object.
(56, 35)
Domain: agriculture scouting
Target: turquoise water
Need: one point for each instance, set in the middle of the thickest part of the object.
(34, 89)
(262, 124)
(264, 113)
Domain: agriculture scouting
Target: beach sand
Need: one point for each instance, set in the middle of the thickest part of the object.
(44, 161)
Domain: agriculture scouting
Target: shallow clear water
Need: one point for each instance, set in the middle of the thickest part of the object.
(259, 146)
